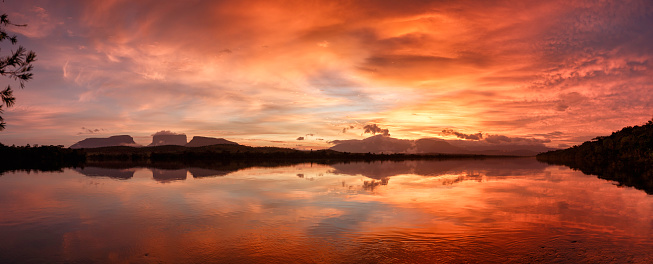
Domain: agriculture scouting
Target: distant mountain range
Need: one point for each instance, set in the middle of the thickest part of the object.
(375, 144)
(384, 144)
(157, 140)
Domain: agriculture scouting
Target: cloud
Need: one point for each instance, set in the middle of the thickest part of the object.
(39, 23)
(498, 139)
(344, 130)
(167, 133)
(477, 136)
(569, 99)
(245, 69)
(90, 131)
(300, 138)
(375, 129)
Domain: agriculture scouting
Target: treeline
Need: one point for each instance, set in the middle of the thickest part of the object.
(625, 156)
(50, 158)
(244, 153)
(630, 144)
(43, 158)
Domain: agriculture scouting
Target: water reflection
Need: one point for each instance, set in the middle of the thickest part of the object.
(631, 174)
(420, 211)
(165, 175)
(204, 173)
(122, 174)
(160, 175)
(379, 172)
(490, 167)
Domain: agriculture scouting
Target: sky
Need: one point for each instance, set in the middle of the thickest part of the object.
(303, 74)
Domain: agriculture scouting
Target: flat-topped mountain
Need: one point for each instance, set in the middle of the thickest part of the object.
(167, 139)
(121, 140)
(199, 141)
(157, 140)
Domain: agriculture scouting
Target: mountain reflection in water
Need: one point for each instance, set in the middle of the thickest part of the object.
(492, 210)
(464, 169)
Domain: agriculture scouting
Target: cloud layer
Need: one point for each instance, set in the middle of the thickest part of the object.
(266, 71)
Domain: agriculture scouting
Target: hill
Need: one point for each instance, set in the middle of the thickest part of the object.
(161, 139)
(384, 144)
(121, 140)
(630, 144)
(625, 156)
(199, 141)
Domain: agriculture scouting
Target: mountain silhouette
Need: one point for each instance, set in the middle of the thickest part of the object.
(121, 140)
(373, 144)
(430, 145)
(167, 139)
(199, 141)
(384, 144)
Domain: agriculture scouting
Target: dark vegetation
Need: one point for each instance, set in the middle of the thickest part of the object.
(625, 156)
(42, 158)
(49, 158)
(240, 152)
(17, 65)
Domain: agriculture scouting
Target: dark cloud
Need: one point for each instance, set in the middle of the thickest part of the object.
(554, 134)
(477, 136)
(300, 138)
(90, 131)
(375, 129)
(344, 130)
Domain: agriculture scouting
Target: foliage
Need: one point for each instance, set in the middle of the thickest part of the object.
(48, 158)
(625, 155)
(16, 66)
(630, 144)
(43, 158)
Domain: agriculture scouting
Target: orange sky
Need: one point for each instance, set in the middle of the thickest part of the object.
(267, 72)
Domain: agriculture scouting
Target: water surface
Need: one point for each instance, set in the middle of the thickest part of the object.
(493, 210)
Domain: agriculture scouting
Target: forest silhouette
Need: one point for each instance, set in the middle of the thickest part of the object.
(625, 156)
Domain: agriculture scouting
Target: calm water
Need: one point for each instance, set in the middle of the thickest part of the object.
(513, 210)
